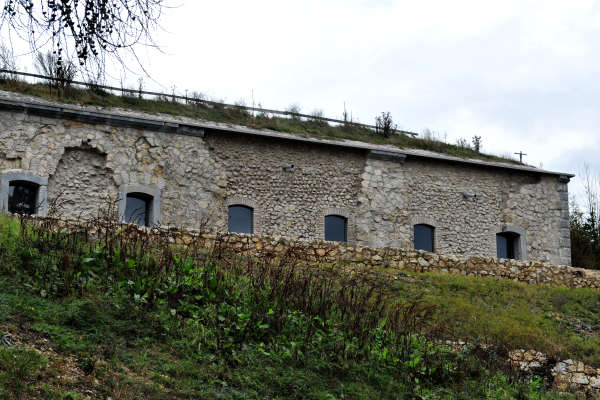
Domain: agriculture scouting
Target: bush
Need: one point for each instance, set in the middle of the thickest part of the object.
(384, 125)
(585, 241)
(53, 66)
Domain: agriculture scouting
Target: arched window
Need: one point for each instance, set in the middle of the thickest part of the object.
(23, 193)
(507, 245)
(336, 228)
(424, 237)
(240, 219)
(138, 208)
(139, 205)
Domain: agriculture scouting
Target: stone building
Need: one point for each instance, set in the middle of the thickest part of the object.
(190, 173)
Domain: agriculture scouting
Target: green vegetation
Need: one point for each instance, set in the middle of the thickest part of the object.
(585, 239)
(132, 316)
(302, 127)
(561, 322)
(18, 366)
(585, 223)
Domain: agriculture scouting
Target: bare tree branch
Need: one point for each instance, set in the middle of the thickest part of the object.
(85, 30)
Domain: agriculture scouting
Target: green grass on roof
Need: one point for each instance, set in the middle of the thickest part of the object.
(198, 110)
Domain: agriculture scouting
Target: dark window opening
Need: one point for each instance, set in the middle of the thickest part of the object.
(22, 197)
(507, 245)
(336, 228)
(423, 237)
(241, 219)
(138, 207)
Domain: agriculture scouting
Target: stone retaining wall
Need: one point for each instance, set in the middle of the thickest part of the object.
(402, 259)
(563, 376)
(568, 375)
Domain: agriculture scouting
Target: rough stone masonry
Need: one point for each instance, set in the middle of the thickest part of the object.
(194, 170)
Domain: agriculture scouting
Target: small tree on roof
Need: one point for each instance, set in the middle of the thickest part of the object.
(384, 124)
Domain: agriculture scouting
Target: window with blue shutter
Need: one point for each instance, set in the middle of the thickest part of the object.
(241, 219)
(423, 237)
(336, 228)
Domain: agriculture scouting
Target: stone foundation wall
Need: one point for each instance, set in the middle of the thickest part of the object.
(401, 259)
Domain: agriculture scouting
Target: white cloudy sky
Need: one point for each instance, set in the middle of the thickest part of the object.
(522, 74)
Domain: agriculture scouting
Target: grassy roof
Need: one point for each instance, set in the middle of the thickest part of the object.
(237, 115)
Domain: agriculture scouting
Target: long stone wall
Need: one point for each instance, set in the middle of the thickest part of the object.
(198, 177)
(289, 201)
(400, 259)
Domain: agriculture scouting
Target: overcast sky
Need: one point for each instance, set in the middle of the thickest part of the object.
(524, 75)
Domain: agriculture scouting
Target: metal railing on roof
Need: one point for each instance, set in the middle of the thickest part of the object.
(188, 100)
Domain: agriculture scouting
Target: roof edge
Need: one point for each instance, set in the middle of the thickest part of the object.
(196, 127)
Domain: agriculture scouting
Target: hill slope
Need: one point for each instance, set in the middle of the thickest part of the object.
(130, 316)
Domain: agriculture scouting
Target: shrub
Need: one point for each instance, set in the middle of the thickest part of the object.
(384, 125)
(476, 140)
(294, 111)
(53, 66)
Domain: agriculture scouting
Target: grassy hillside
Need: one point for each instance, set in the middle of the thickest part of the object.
(562, 322)
(303, 127)
(131, 317)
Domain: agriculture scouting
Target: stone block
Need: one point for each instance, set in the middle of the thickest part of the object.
(580, 379)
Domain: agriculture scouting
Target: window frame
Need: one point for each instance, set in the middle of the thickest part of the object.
(153, 214)
(519, 242)
(432, 228)
(18, 176)
(340, 212)
(257, 216)
(147, 200)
